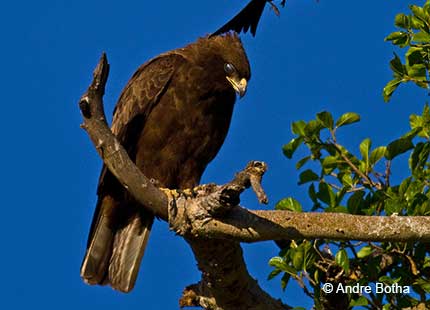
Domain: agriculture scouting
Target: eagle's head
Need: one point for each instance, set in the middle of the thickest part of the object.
(225, 59)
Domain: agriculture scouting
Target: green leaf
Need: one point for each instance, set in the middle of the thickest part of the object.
(420, 14)
(416, 23)
(326, 119)
(394, 35)
(347, 118)
(419, 156)
(426, 7)
(298, 257)
(421, 36)
(355, 202)
(279, 263)
(426, 262)
(393, 206)
(364, 151)
(397, 66)
(273, 274)
(364, 251)
(423, 284)
(402, 21)
(302, 161)
(326, 195)
(346, 179)
(415, 55)
(312, 194)
(289, 148)
(398, 38)
(386, 307)
(284, 280)
(422, 210)
(377, 154)
(317, 276)
(389, 281)
(415, 121)
(310, 255)
(411, 134)
(289, 204)
(418, 74)
(307, 176)
(329, 163)
(414, 159)
(342, 260)
(360, 301)
(312, 128)
(298, 128)
(398, 147)
(389, 89)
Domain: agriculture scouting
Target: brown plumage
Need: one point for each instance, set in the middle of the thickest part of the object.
(172, 117)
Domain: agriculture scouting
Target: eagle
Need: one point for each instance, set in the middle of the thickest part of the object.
(172, 118)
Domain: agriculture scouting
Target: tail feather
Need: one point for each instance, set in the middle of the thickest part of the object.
(128, 248)
(114, 252)
(99, 249)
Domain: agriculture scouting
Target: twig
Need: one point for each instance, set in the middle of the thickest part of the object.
(387, 173)
(355, 168)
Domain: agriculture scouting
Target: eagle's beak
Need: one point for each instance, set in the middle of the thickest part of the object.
(239, 86)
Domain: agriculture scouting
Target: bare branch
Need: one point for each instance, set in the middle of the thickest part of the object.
(253, 226)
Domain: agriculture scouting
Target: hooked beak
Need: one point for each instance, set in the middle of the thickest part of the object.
(238, 86)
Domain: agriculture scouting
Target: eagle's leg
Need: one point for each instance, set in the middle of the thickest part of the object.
(187, 193)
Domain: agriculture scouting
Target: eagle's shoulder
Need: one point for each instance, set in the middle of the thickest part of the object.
(144, 88)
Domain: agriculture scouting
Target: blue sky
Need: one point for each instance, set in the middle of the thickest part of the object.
(325, 55)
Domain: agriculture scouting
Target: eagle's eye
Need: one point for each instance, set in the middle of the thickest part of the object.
(229, 69)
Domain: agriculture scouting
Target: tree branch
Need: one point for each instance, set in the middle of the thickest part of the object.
(253, 226)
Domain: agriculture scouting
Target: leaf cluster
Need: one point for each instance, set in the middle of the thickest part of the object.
(414, 34)
(358, 182)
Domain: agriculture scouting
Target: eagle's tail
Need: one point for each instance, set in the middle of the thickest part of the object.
(128, 248)
(115, 251)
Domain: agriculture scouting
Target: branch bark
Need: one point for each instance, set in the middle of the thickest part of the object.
(253, 226)
(213, 223)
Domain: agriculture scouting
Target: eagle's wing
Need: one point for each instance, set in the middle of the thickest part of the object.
(120, 230)
(245, 19)
(143, 91)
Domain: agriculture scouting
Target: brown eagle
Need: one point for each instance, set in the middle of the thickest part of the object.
(172, 118)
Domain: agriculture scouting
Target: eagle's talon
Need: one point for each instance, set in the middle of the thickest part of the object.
(178, 193)
(187, 193)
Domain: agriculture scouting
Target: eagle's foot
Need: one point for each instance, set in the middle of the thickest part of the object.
(187, 193)
(174, 194)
